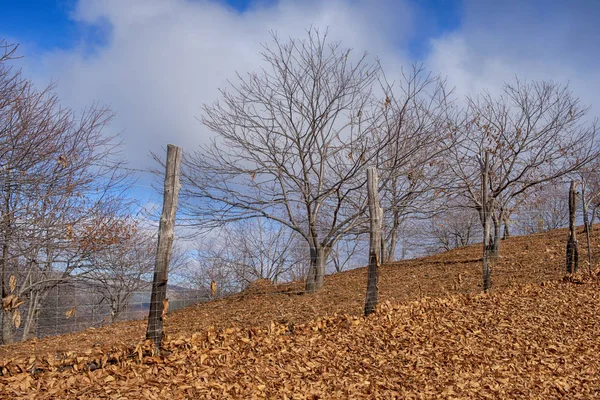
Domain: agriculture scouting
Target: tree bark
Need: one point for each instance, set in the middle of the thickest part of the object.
(166, 230)
(316, 277)
(33, 311)
(572, 248)
(376, 214)
(390, 252)
(392, 244)
(7, 331)
(506, 233)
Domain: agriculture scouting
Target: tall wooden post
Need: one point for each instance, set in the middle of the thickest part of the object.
(488, 209)
(572, 248)
(158, 301)
(586, 226)
(376, 216)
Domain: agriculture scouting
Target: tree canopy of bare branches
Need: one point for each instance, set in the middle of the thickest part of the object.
(123, 264)
(413, 140)
(58, 169)
(532, 133)
(291, 145)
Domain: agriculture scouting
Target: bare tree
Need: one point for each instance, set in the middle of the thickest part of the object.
(8, 51)
(455, 227)
(589, 179)
(260, 249)
(211, 270)
(349, 252)
(534, 132)
(123, 264)
(545, 208)
(415, 122)
(572, 242)
(57, 169)
(291, 146)
(244, 252)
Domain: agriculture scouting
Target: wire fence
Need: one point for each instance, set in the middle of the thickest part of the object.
(79, 305)
(255, 257)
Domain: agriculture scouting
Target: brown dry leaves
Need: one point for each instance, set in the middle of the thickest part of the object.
(530, 342)
(524, 259)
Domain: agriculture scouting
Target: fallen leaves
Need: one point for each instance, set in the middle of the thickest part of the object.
(532, 341)
(527, 342)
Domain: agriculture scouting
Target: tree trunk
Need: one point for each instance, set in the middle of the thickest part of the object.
(7, 331)
(506, 233)
(32, 313)
(572, 249)
(158, 301)
(316, 276)
(122, 304)
(391, 247)
(30, 325)
(487, 257)
(376, 217)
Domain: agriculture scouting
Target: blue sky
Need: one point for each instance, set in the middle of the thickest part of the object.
(155, 62)
(44, 25)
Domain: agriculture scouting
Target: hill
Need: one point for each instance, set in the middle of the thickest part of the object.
(435, 335)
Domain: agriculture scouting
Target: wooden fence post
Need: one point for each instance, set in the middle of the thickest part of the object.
(159, 302)
(488, 209)
(586, 226)
(572, 248)
(376, 216)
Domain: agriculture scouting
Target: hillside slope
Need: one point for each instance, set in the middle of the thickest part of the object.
(534, 258)
(536, 342)
(532, 341)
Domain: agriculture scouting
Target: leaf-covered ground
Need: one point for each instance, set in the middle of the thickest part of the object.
(434, 336)
(530, 342)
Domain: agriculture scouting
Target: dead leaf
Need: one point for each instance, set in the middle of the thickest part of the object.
(16, 319)
(70, 312)
(12, 283)
(213, 288)
(165, 308)
(11, 302)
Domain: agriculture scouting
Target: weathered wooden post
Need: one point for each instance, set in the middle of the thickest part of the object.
(376, 217)
(586, 226)
(158, 301)
(572, 247)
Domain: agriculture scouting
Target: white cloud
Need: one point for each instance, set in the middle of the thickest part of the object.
(164, 59)
(535, 41)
